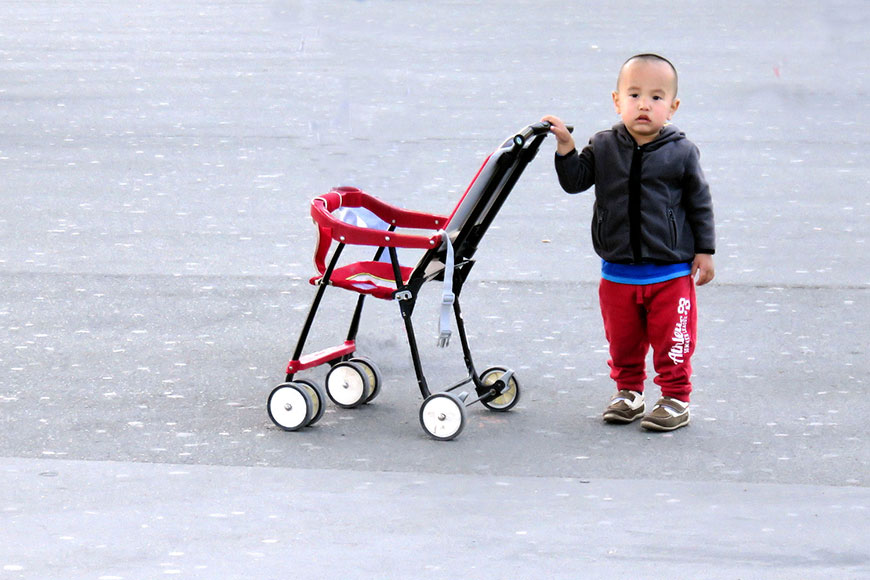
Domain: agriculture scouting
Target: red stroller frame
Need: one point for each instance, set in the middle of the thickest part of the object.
(353, 381)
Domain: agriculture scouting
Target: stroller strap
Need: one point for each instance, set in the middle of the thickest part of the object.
(447, 295)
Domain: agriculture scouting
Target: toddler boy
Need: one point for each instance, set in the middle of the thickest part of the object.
(652, 225)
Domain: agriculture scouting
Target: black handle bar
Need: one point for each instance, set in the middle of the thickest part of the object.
(544, 127)
(539, 128)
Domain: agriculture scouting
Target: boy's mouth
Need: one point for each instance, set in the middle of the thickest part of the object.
(643, 119)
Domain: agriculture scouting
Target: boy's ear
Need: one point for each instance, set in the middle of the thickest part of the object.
(674, 106)
(615, 96)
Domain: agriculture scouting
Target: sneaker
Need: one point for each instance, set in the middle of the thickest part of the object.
(667, 415)
(625, 406)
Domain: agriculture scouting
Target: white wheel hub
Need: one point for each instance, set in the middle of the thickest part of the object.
(443, 416)
(347, 385)
(288, 407)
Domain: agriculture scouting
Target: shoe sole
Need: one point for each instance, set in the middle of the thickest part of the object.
(619, 419)
(656, 427)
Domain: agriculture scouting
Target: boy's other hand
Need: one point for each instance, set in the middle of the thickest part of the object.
(564, 140)
(702, 266)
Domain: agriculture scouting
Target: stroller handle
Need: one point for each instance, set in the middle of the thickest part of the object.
(535, 129)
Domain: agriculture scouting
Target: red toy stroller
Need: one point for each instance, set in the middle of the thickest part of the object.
(347, 215)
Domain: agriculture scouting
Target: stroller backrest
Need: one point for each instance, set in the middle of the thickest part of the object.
(484, 197)
(478, 196)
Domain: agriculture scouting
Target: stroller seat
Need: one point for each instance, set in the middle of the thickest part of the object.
(373, 278)
(348, 216)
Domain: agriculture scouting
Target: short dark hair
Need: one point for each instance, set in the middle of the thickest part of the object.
(649, 56)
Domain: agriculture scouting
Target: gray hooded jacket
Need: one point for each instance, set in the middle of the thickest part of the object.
(652, 203)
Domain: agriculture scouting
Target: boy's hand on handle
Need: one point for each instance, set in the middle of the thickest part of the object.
(702, 266)
(564, 140)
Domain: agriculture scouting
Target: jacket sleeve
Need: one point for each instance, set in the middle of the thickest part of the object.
(699, 204)
(576, 171)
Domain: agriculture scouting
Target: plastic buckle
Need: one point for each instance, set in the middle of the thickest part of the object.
(448, 298)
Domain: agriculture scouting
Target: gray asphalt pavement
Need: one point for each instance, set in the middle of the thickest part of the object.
(155, 246)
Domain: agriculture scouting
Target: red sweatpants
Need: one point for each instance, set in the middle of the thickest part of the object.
(661, 315)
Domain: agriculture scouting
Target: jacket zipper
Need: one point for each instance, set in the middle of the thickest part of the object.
(634, 193)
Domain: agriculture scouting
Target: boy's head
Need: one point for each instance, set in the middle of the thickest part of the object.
(646, 95)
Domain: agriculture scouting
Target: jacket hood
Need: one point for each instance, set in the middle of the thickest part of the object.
(668, 134)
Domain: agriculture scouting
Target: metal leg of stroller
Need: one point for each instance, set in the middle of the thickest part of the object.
(318, 296)
(466, 350)
(407, 308)
(484, 392)
(463, 339)
(407, 300)
(315, 304)
(357, 313)
(481, 390)
(354, 321)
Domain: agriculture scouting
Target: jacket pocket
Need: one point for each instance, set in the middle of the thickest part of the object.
(599, 228)
(672, 223)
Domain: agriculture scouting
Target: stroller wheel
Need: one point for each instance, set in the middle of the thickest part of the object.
(510, 393)
(318, 398)
(290, 406)
(347, 384)
(442, 416)
(373, 375)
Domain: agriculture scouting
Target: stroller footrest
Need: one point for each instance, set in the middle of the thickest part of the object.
(320, 357)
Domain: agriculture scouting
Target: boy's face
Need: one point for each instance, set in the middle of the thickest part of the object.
(646, 98)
